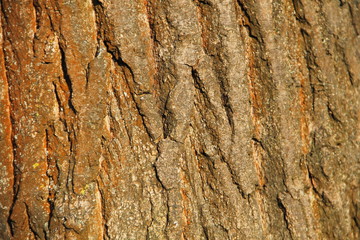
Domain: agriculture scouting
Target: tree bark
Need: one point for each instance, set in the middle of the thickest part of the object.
(186, 119)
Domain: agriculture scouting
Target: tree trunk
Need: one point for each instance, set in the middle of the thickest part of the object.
(180, 119)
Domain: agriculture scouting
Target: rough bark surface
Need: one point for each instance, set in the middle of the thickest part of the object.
(186, 119)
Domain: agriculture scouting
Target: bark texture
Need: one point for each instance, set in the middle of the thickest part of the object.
(179, 119)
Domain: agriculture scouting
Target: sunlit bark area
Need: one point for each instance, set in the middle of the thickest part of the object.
(179, 119)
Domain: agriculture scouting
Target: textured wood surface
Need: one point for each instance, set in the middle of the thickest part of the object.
(186, 119)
